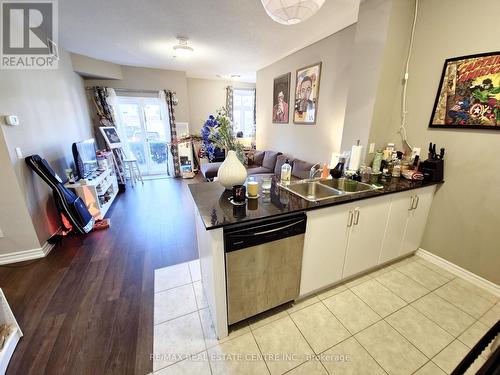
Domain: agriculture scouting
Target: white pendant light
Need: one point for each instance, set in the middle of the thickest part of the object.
(290, 12)
(181, 49)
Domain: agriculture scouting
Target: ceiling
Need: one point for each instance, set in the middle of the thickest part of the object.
(229, 37)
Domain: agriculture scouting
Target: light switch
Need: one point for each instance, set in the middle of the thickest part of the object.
(372, 148)
(19, 153)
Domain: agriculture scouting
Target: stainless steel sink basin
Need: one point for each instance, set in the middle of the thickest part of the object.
(347, 186)
(312, 191)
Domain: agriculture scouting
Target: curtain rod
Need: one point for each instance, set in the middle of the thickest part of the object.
(133, 90)
(137, 90)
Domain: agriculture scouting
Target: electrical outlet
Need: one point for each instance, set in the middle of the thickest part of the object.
(19, 153)
(1, 233)
(372, 148)
(415, 151)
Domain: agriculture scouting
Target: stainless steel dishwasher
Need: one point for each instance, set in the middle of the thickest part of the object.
(263, 264)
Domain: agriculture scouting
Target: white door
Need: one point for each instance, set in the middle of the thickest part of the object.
(324, 247)
(417, 219)
(146, 132)
(366, 235)
(401, 205)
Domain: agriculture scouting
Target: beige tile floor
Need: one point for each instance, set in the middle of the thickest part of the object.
(411, 317)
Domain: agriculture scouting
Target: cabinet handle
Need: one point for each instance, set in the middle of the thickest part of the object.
(356, 216)
(417, 200)
(349, 220)
(412, 202)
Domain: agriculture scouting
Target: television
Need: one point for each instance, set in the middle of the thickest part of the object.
(84, 153)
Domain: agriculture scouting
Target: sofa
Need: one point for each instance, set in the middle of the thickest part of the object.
(263, 163)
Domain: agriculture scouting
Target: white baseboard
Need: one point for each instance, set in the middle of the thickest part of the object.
(21, 256)
(459, 271)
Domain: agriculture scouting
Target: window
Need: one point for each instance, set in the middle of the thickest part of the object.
(243, 111)
(146, 133)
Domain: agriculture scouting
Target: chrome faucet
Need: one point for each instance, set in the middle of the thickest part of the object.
(314, 170)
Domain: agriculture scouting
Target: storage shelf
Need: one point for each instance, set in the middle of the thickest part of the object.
(7, 317)
(105, 188)
(94, 182)
(105, 207)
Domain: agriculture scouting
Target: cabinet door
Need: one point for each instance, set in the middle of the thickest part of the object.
(324, 247)
(417, 219)
(401, 206)
(366, 235)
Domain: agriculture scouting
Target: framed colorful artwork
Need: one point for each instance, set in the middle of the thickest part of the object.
(469, 93)
(281, 99)
(307, 94)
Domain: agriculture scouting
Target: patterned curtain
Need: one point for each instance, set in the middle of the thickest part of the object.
(229, 102)
(106, 117)
(254, 133)
(174, 148)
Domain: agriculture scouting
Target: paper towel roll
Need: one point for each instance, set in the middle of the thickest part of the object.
(355, 160)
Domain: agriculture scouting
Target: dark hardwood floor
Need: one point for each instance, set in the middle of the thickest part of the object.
(87, 308)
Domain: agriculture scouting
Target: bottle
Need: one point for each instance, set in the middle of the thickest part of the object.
(286, 173)
(377, 161)
(338, 171)
(396, 169)
(325, 172)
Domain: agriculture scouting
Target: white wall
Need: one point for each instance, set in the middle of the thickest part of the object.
(313, 143)
(205, 97)
(99, 69)
(53, 113)
(152, 79)
(15, 221)
(370, 44)
(464, 218)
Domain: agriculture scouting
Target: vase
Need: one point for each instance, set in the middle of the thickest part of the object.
(231, 171)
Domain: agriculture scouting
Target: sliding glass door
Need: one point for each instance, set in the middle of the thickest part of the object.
(146, 130)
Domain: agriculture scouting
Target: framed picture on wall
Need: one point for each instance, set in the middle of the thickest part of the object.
(469, 93)
(307, 94)
(281, 99)
(111, 136)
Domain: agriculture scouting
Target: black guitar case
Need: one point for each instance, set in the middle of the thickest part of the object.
(68, 203)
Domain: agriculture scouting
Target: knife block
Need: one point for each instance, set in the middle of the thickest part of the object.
(433, 169)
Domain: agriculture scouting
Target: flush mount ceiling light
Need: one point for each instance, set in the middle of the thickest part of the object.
(291, 12)
(181, 49)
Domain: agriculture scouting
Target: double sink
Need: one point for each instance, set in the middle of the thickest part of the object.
(318, 190)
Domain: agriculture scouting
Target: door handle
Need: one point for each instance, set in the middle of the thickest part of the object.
(349, 220)
(412, 201)
(356, 216)
(417, 200)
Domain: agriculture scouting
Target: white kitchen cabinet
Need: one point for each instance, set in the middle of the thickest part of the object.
(406, 224)
(401, 205)
(417, 218)
(324, 247)
(366, 234)
(344, 240)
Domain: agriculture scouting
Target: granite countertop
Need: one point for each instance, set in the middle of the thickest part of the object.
(216, 211)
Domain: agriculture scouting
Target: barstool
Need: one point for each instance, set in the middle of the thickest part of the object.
(133, 169)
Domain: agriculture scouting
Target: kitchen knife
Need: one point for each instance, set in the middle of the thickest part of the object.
(434, 156)
(429, 156)
(441, 153)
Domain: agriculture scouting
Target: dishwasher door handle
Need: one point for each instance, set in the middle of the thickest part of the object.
(277, 229)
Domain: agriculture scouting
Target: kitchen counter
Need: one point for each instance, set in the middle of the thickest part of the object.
(215, 210)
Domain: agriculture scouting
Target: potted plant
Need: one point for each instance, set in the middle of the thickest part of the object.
(218, 132)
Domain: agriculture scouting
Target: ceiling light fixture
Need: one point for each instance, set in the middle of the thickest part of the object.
(235, 77)
(181, 49)
(291, 12)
